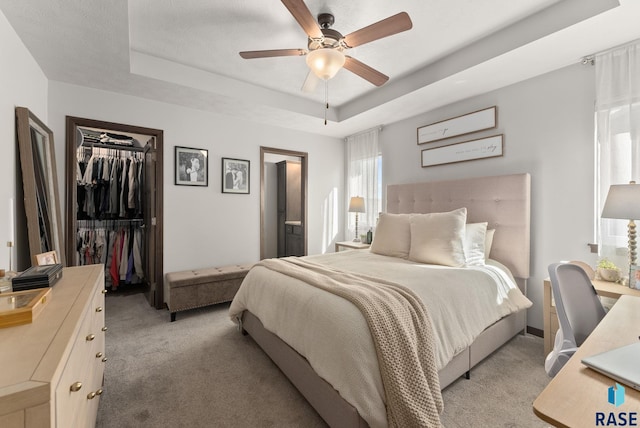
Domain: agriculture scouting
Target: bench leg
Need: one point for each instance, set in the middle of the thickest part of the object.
(173, 316)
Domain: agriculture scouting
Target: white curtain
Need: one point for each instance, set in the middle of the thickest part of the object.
(618, 138)
(364, 176)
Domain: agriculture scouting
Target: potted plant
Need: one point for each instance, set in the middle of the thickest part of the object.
(608, 271)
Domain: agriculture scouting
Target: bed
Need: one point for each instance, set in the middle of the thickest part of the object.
(303, 346)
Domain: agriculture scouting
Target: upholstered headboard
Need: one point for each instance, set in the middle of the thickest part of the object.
(502, 201)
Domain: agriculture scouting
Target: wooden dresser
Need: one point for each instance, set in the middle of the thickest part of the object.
(51, 370)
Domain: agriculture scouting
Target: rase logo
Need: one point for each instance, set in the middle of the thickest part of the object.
(615, 396)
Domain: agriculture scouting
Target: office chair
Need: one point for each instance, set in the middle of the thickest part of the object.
(579, 311)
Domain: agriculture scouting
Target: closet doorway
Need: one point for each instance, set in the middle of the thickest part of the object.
(108, 215)
(283, 202)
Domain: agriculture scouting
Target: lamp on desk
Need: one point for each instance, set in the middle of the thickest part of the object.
(623, 202)
(356, 205)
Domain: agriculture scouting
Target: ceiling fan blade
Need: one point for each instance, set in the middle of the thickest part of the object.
(310, 82)
(303, 15)
(272, 53)
(364, 71)
(387, 27)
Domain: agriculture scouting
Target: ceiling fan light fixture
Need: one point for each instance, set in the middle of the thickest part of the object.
(325, 62)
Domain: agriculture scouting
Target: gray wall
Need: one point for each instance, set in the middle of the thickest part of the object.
(22, 83)
(548, 129)
(202, 226)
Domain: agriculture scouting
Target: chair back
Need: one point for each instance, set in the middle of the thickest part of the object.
(577, 304)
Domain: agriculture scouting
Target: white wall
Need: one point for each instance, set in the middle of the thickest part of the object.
(202, 226)
(22, 84)
(549, 132)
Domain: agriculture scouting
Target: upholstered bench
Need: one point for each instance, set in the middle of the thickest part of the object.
(196, 288)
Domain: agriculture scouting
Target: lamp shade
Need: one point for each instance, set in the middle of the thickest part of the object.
(356, 204)
(325, 62)
(623, 202)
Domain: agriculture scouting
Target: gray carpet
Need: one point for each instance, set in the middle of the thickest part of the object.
(201, 372)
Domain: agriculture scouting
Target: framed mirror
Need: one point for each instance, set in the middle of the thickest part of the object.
(40, 185)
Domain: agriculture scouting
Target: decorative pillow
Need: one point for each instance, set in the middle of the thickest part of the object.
(393, 235)
(488, 242)
(438, 238)
(474, 242)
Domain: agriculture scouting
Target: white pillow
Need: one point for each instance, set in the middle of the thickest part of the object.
(474, 242)
(438, 238)
(393, 235)
(488, 242)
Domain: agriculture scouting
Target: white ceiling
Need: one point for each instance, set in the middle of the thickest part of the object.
(185, 52)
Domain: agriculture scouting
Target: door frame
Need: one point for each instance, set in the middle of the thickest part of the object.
(304, 174)
(155, 297)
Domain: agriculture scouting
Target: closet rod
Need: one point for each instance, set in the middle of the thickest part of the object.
(108, 223)
(113, 146)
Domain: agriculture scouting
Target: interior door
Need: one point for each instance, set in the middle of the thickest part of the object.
(150, 220)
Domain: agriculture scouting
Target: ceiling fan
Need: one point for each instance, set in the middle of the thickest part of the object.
(325, 46)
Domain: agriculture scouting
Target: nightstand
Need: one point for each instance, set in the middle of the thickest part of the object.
(611, 290)
(350, 245)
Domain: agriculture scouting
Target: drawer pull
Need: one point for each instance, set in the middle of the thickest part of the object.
(104, 291)
(75, 387)
(91, 337)
(99, 309)
(99, 355)
(99, 391)
(91, 395)
(104, 328)
(104, 360)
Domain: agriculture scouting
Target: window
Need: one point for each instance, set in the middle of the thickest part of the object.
(364, 178)
(617, 139)
(616, 166)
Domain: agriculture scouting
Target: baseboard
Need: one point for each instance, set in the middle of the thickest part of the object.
(535, 331)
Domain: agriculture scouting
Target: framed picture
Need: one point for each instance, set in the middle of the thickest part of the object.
(464, 151)
(48, 258)
(465, 124)
(192, 167)
(235, 176)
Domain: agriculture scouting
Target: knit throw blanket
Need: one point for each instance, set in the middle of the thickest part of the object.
(402, 334)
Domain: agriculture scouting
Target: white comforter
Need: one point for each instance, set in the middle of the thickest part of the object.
(333, 335)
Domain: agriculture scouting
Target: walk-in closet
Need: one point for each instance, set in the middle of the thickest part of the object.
(114, 203)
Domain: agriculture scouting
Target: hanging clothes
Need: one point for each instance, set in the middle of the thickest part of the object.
(116, 244)
(110, 227)
(109, 183)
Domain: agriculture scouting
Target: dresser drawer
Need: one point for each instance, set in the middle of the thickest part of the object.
(80, 385)
(292, 229)
(74, 385)
(97, 355)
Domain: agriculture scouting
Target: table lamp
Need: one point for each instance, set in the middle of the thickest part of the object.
(356, 205)
(623, 202)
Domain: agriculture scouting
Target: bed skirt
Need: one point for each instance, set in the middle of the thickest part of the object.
(337, 412)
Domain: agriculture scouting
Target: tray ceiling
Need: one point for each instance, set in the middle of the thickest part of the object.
(186, 52)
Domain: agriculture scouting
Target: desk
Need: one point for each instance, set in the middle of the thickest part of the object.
(573, 397)
(351, 245)
(550, 318)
